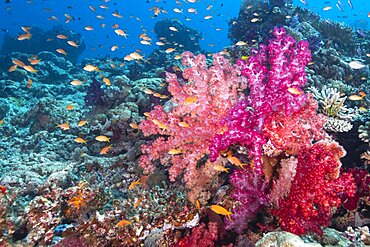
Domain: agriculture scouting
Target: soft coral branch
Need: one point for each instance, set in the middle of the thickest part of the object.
(190, 125)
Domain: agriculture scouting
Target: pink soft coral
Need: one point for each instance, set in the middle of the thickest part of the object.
(198, 105)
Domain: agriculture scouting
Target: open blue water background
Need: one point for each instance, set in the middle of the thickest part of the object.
(138, 18)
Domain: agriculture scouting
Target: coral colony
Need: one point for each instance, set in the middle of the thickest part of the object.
(214, 152)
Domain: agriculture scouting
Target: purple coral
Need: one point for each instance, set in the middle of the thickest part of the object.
(250, 192)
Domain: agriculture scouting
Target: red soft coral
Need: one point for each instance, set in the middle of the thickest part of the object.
(297, 131)
(200, 236)
(192, 119)
(315, 190)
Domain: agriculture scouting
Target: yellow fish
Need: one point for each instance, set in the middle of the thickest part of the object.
(190, 100)
(134, 184)
(220, 168)
(235, 161)
(80, 140)
(174, 151)
(221, 210)
(102, 138)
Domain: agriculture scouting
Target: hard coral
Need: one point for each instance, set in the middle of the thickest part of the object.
(315, 190)
(189, 126)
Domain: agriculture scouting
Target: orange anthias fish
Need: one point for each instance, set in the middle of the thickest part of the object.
(80, 140)
(64, 126)
(105, 149)
(29, 83)
(190, 100)
(102, 138)
(123, 223)
(107, 81)
(91, 68)
(29, 68)
(72, 43)
(134, 184)
(61, 51)
(235, 161)
(138, 202)
(81, 123)
(221, 210)
(69, 107)
(220, 168)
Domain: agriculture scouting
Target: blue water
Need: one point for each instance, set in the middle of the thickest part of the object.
(356, 16)
(137, 17)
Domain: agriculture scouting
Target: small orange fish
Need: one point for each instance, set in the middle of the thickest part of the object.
(80, 140)
(12, 68)
(91, 68)
(64, 126)
(120, 32)
(221, 210)
(2, 121)
(72, 43)
(26, 29)
(295, 91)
(35, 61)
(69, 107)
(362, 94)
(18, 62)
(116, 14)
(134, 126)
(105, 149)
(81, 123)
(61, 51)
(220, 168)
(76, 83)
(355, 97)
(134, 184)
(190, 100)
(102, 138)
(123, 223)
(89, 28)
(113, 48)
(148, 91)
(235, 161)
(138, 202)
(169, 50)
(61, 36)
(160, 125)
(29, 83)
(184, 124)
(29, 68)
(174, 151)
(147, 114)
(24, 36)
(107, 81)
(197, 204)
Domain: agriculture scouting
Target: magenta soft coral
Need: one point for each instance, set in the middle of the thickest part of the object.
(315, 190)
(197, 106)
(273, 73)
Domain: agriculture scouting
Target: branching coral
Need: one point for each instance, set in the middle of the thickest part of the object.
(364, 132)
(186, 130)
(332, 105)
